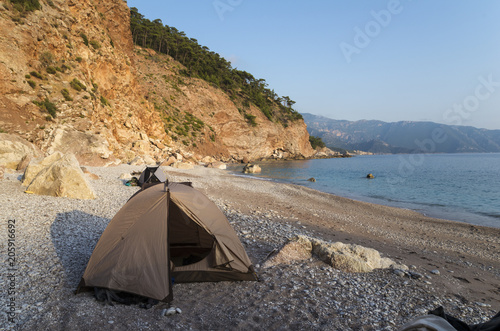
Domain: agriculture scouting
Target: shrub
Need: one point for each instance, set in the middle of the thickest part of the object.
(51, 70)
(46, 58)
(104, 102)
(316, 142)
(79, 59)
(26, 5)
(64, 68)
(251, 119)
(77, 85)
(66, 95)
(31, 83)
(95, 44)
(48, 106)
(85, 39)
(36, 74)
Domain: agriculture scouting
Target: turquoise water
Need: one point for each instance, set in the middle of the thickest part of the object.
(459, 187)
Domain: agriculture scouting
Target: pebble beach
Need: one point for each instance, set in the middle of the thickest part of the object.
(458, 264)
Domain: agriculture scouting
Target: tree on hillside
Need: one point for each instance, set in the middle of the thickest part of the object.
(211, 67)
(316, 142)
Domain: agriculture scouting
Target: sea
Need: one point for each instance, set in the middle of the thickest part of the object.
(457, 187)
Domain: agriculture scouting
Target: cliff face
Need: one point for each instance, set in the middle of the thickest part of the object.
(224, 131)
(71, 80)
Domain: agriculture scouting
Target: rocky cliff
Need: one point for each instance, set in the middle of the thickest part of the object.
(71, 80)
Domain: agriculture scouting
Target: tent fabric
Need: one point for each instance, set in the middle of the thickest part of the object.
(438, 320)
(163, 233)
(152, 175)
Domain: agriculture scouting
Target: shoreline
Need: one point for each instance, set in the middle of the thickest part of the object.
(426, 209)
(376, 229)
(56, 237)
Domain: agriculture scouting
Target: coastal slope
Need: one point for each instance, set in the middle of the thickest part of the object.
(73, 81)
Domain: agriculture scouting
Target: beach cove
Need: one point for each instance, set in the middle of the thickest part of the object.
(56, 236)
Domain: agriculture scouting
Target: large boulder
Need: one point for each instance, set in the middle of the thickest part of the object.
(251, 169)
(60, 176)
(183, 165)
(13, 149)
(217, 165)
(89, 148)
(345, 257)
(37, 165)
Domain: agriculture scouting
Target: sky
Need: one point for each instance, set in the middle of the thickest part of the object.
(388, 60)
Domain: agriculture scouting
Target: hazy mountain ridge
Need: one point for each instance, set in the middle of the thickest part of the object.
(402, 137)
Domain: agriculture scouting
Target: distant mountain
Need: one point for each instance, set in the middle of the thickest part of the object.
(402, 137)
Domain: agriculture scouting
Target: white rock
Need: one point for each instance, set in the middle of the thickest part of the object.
(171, 311)
(126, 176)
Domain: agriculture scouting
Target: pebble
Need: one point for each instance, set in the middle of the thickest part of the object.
(435, 272)
(171, 311)
(416, 275)
(307, 295)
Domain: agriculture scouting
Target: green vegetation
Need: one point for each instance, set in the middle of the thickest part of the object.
(47, 106)
(36, 74)
(77, 85)
(316, 142)
(85, 39)
(31, 83)
(104, 102)
(66, 95)
(95, 44)
(65, 68)
(78, 59)
(46, 59)
(251, 119)
(51, 70)
(26, 5)
(200, 62)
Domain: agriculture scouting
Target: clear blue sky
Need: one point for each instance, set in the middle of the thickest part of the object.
(388, 60)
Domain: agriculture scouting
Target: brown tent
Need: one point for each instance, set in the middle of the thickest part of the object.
(166, 232)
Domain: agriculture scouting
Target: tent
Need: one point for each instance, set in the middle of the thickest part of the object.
(152, 175)
(166, 232)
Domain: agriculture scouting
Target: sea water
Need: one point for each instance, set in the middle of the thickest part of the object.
(459, 187)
